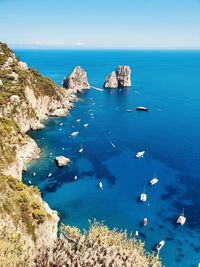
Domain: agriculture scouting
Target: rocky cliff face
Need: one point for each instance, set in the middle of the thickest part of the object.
(119, 78)
(77, 80)
(26, 98)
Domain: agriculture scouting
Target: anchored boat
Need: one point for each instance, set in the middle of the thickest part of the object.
(181, 219)
(141, 108)
(81, 149)
(160, 245)
(143, 196)
(100, 185)
(74, 134)
(145, 222)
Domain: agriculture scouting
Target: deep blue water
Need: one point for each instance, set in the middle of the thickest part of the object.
(168, 83)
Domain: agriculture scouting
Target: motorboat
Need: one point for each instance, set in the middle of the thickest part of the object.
(145, 222)
(141, 108)
(81, 149)
(74, 134)
(85, 125)
(140, 154)
(75, 177)
(100, 185)
(61, 124)
(129, 110)
(34, 174)
(154, 181)
(50, 174)
(112, 144)
(181, 219)
(160, 245)
(78, 120)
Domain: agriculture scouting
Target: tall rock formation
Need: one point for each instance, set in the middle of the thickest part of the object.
(119, 78)
(77, 80)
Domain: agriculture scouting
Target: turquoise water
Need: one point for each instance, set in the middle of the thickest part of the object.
(168, 83)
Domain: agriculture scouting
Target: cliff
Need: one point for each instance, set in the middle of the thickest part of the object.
(121, 77)
(28, 227)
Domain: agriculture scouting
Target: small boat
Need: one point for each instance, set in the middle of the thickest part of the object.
(136, 233)
(63, 148)
(29, 181)
(100, 185)
(93, 103)
(143, 197)
(75, 177)
(112, 144)
(81, 149)
(129, 110)
(181, 219)
(154, 181)
(34, 174)
(160, 245)
(61, 124)
(141, 108)
(90, 110)
(74, 134)
(78, 120)
(145, 222)
(50, 174)
(140, 154)
(50, 153)
(85, 125)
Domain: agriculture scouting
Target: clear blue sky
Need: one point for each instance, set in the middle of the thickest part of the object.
(100, 23)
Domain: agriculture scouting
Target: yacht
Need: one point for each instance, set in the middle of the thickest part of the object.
(160, 245)
(181, 219)
(143, 196)
(100, 185)
(145, 221)
(141, 108)
(81, 149)
(140, 154)
(74, 134)
(154, 181)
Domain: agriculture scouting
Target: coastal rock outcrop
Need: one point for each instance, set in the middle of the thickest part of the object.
(62, 161)
(121, 77)
(77, 80)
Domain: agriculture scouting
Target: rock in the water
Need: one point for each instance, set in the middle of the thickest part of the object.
(119, 78)
(77, 80)
(62, 161)
(111, 81)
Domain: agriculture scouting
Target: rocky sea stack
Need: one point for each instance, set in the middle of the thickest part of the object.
(77, 80)
(121, 77)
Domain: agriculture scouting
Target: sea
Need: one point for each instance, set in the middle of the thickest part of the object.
(168, 83)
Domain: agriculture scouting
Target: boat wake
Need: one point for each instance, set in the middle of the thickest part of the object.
(96, 88)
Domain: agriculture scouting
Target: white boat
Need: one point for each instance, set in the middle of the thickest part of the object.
(50, 174)
(181, 219)
(136, 233)
(100, 185)
(34, 174)
(75, 177)
(140, 154)
(78, 120)
(129, 110)
(141, 108)
(160, 245)
(74, 134)
(61, 124)
(29, 181)
(112, 144)
(143, 196)
(85, 125)
(81, 149)
(154, 181)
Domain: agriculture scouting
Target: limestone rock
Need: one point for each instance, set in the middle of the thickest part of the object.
(62, 161)
(119, 78)
(111, 81)
(77, 80)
